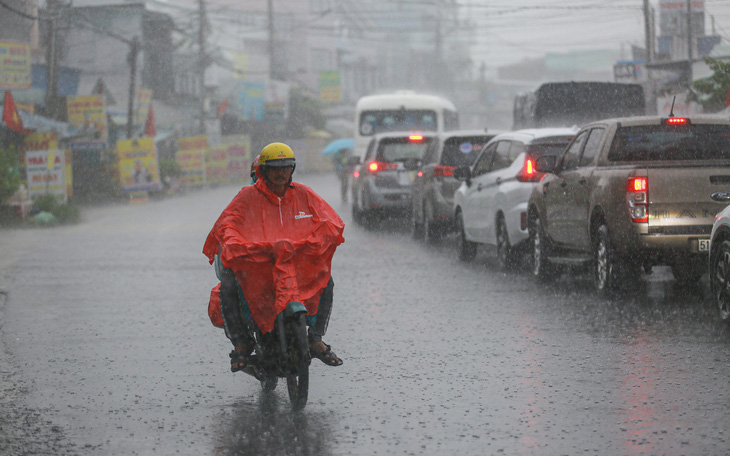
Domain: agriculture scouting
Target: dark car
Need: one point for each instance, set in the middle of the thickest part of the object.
(381, 184)
(434, 186)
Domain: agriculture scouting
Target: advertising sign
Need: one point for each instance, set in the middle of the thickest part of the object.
(142, 105)
(191, 152)
(15, 65)
(251, 100)
(138, 167)
(277, 100)
(216, 165)
(329, 87)
(88, 113)
(46, 171)
(238, 149)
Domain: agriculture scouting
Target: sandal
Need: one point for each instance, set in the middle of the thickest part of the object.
(240, 359)
(327, 356)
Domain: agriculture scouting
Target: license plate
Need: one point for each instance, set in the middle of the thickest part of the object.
(703, 245)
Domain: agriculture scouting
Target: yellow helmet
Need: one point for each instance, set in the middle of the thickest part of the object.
(277, 154)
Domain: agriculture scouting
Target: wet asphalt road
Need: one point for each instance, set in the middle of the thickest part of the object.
(107, 349)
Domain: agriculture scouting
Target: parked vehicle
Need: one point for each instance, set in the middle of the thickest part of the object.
(434, 186)
(403, 110)
(381, 185)
(490, 206)
(720, 258)
(564, 104)
(632, 192)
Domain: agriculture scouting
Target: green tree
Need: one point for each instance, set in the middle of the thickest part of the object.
(9, 177)
(711, 92)
(305, 113)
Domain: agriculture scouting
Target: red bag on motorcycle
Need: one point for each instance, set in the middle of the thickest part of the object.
(214, 307)
(280, 248)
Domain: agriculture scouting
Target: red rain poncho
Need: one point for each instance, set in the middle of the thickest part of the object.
(280, 248)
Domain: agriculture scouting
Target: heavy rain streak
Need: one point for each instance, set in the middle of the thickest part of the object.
(338, 227)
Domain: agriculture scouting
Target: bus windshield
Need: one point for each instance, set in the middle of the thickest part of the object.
(382, 120)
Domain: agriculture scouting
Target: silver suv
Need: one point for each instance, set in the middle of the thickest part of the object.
(381, 185)
(434, 185)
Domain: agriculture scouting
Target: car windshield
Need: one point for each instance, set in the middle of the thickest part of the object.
(667, 142)
(380, 121)
(462, 150)
(549, 146)
(402, 149)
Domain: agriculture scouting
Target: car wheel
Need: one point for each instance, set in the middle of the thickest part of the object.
(467, 249)
(605, 264)
(542, 269)
(505, 252)
(720, 280)
(431, 230)
(688, 272)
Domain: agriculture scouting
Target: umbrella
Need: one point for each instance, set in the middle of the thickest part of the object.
(337, 145)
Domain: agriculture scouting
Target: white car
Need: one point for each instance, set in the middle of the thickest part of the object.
(490, 206)
(720, 258)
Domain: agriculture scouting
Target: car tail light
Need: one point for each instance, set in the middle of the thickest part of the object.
(637, 198)
(377, 166)
(441, 170)
(528, 173)
(676, 121)
(356, 174)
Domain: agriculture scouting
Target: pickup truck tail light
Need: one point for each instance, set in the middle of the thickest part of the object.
(441, 170)
(377, 166)
(528, 172)
(637, 198)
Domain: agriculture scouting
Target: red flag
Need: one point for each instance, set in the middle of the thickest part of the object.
(727, 98)
(149, 126)
(221, 109)
(10, 115)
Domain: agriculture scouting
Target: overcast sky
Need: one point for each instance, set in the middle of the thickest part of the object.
(509, 31)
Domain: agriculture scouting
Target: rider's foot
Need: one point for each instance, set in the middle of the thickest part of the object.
(239, 357)
(324, 353)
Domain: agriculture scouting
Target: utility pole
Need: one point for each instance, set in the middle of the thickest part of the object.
(202, 63)
(132, 61)
(272, 76)
(52, 61)
(648, 33)
(689, 42)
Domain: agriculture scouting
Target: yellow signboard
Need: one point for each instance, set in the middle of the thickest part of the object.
(89, 114)
(138, 167)
(191, 152)
(15, 63)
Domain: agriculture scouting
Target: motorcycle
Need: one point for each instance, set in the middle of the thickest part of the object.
(283, 353)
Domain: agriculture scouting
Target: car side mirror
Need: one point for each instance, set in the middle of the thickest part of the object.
(546, 164)
(463, 173)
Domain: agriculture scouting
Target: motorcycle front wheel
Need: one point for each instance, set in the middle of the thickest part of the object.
(297, 348)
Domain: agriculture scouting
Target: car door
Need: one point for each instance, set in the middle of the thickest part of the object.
(492, 181)
(472, 198)
(577, 198)
(558, 205)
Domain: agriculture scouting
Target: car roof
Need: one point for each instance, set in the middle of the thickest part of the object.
(655, 120)
(530, 134)
(403, 134)
(463, 133)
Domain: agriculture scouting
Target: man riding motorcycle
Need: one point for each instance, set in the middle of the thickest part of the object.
(301, 229)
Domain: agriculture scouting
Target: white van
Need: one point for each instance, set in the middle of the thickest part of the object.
(401, 111)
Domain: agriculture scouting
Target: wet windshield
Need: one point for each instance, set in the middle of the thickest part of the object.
(372, 122)
(402, 149)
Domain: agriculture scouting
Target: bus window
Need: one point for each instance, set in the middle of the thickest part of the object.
(372, 122)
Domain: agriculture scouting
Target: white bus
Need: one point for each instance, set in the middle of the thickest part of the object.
(401, 111)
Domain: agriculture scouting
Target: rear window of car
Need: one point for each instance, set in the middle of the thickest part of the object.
(462, 150)
(402, 149)
(554, 145)
(666, 142)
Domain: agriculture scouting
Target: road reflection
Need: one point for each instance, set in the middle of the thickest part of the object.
(269, 427)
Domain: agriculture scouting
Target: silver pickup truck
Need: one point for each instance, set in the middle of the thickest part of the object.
(630, 193)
